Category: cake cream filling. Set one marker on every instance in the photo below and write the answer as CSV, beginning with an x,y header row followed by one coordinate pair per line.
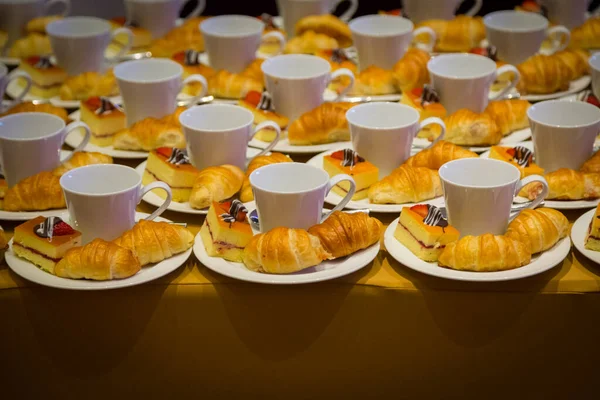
x,y
436,246
172,187
221,244
36,252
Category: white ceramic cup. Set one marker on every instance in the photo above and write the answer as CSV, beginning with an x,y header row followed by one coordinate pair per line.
x,y
518,35
595,68
6,78
382,40
79,43
479,193
149,88
292,195
293,11
30,143
218,134
421,10
569,13
296,82
158,16
464,80
101,199
15,14
232,40
563,133
383,133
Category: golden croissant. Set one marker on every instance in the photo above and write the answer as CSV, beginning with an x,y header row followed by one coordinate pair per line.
x,y
149,134
310,43
438,155
566,184
254,70
485,253
152,242
31,45
227,85
36,193
586,36
246,194
29,106
538,229
467,128
326,24
98,260
576,61
509,115
343,234
374,81
593,164
411,71
89,84
283,251
543,74
460,34
185,37
406,185
38,25
80,159
325,124
215,184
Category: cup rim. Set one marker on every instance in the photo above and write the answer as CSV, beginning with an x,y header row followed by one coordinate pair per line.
x,y
353,28
251,177
594,58
271,60
84,34
118,69
63,179
389,104
232,107
29,115
436,59
260,26
542,21
502,164
581,104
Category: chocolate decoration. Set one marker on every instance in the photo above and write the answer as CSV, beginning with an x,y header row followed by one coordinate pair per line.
x,y
351,158
268,20
266,102
178,157
339,56
523,156
106,106
434,217
44,63
191,57
429,95
46,228
235,208
492,52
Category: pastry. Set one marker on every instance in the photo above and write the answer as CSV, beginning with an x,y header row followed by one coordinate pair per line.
x,y
259,104
325,124
89,84
593,164
38,25
215,184
190,61
586,36
467,128
227,85
46,78
98,260
338,58
424,231
509,115
438,155
592,238
149,134
81,159
3,189
566,184
3,244
29,106
310,43
406,185
104,118
36,193
142,38
541,74
576,61
187,36
226,232
254,70
152,242
31,45
426,101
348,162
521,157
270,46
171,166
326,24
342,234
460,34
411,70
373,81
485,253
246,194
283,251
44,241
538,229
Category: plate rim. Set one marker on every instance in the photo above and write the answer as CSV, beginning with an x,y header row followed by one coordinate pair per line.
x,y
578,234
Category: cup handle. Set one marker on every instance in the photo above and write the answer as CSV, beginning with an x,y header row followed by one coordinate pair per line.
x,y
196,78
16,75
342,72
560,36
86,138
540,197
432,36
278,36
432,121
164,205
125,48
198,10
65,3
271,145
350,11
475,9
334,181
503,69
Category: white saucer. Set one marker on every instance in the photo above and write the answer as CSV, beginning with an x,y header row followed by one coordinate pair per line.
x,y
284,146
75,138
148,273
539,263
576,86
578,234
10,61
367,99
509,140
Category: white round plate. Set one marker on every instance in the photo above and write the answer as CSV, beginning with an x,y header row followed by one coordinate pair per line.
x,y
148,273
576,86
284,146
334,198
578,234
539,263
10,61
325,271
367,99
509,140
155,200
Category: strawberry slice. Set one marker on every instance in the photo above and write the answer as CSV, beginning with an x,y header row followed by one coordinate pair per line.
x,y
94,102
165,151
338,155
593,100
421,209
179,57
479,50
253,97
62,229
417,92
